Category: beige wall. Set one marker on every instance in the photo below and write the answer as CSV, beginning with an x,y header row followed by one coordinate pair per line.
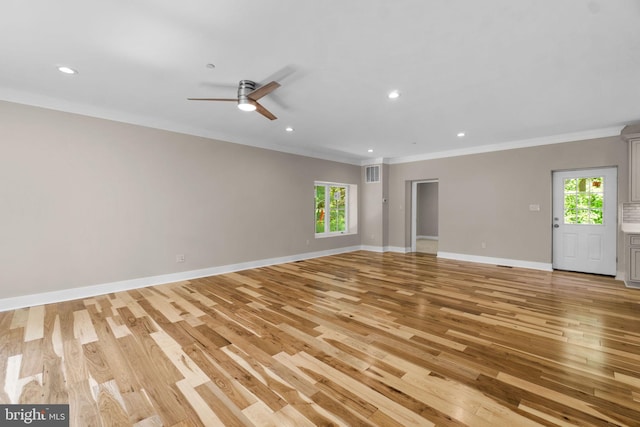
x,y
385,205
486,197
371,211
374,210
86,201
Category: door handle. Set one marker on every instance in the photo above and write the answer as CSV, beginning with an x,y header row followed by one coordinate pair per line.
x,y
556,225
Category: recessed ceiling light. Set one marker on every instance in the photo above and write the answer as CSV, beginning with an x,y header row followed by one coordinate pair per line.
x,y
289,129
370,150
460,134
393,94
67,70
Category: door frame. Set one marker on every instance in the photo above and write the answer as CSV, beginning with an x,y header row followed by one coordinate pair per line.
x,y
614,233
414,208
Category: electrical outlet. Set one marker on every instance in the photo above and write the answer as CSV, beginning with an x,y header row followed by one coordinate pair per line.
x,y
483,245
180,258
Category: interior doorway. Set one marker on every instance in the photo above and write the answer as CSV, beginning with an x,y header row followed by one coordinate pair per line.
x,y
424,216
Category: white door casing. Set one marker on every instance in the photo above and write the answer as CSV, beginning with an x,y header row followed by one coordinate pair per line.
x,y
579,246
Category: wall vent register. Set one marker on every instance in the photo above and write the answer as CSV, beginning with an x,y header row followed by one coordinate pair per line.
x,y
372,174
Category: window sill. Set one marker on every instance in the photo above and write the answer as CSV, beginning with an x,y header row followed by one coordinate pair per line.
x,y
325,235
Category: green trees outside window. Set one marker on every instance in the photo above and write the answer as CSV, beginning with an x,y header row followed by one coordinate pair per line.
x,y
583,200
330,208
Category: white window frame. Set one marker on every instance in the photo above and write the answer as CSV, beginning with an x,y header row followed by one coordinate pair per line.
x,y
348,209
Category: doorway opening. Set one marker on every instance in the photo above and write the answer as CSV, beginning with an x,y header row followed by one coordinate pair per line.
x,y
424,216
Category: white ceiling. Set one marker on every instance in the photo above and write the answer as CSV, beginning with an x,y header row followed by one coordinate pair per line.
x,y
506,72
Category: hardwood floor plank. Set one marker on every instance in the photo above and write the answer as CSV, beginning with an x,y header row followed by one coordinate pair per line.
x,y
388,406
34,328
206,415
83,410
111,404
221,380
224,408
155,376
139,407
32,354
19,318
564,399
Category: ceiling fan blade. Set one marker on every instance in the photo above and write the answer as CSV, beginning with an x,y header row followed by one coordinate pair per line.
x,y
264,90
213,99
260,109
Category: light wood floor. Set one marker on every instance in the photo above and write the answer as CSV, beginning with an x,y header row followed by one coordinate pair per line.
x,y
355,339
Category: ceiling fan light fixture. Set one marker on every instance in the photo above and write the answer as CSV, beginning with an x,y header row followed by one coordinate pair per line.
x,y
246,105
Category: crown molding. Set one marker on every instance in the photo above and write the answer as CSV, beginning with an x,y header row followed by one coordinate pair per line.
x,y
511,145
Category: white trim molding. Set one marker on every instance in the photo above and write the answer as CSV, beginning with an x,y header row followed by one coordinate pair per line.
x,y
378,249
383,249
544,266
510,145
397,249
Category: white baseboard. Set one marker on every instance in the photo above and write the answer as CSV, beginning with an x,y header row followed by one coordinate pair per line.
x,y
14,303
370,248
622,277
382,249
398,249
497,261
427,237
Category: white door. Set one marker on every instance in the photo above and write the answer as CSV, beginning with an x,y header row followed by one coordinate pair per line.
x,y
585,220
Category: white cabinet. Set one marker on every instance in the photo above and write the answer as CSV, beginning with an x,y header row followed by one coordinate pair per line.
x,y
634,265
633,260
631,134
634,170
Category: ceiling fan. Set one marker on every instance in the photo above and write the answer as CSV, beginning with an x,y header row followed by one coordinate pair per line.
x,y
248,97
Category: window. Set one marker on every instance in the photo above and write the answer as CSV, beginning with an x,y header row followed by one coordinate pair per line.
x,y
583,200
331,208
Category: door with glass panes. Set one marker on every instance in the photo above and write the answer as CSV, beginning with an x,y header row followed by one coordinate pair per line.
x,y
585,220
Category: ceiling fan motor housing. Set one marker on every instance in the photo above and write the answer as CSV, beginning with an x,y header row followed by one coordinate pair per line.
x,y
245,87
